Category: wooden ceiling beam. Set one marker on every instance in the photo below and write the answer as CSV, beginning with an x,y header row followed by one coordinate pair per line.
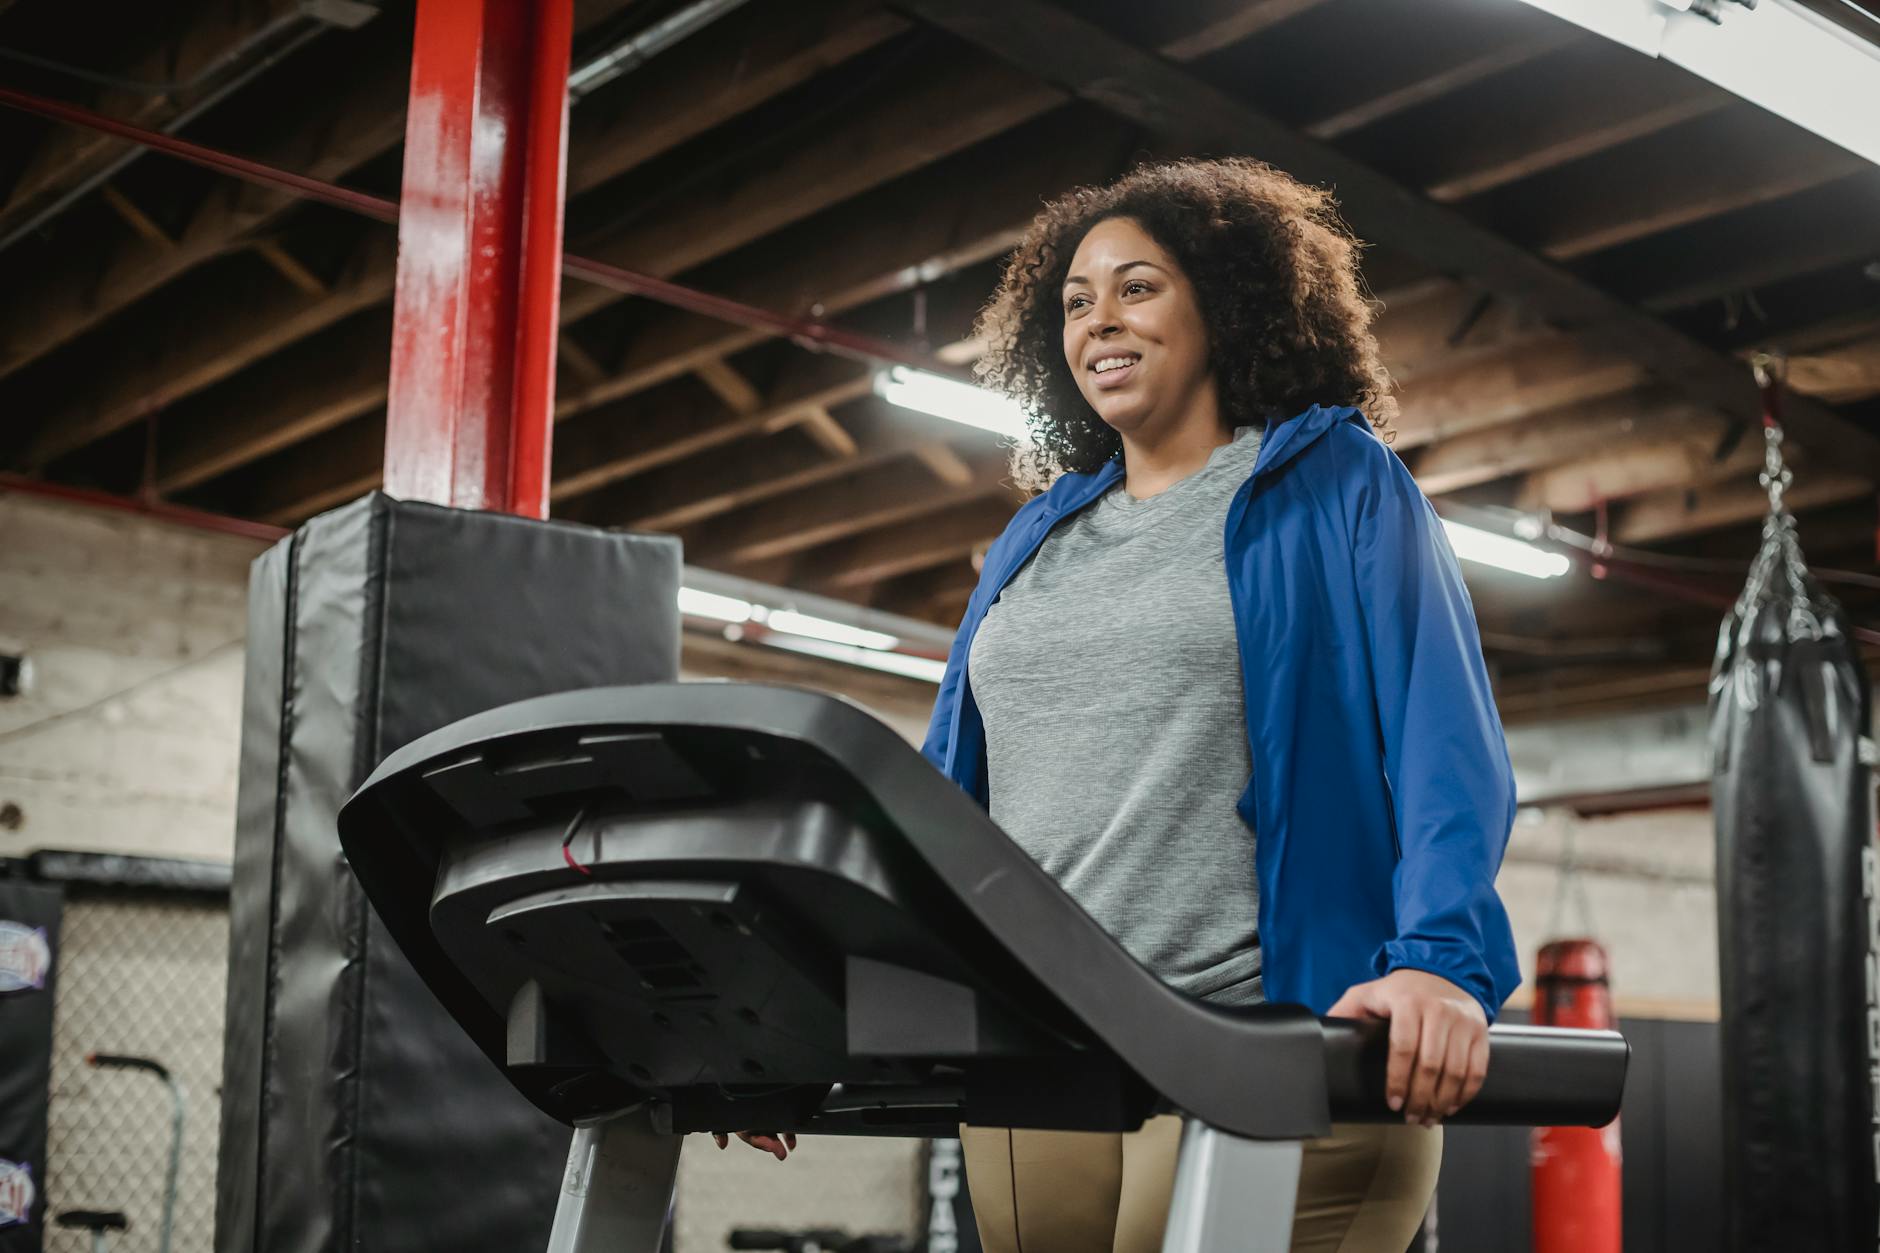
x,y
926,593
1677,512
931,538
686,493
1130,80
1530,379
320,383
870,498
1635,99
227,44
254,316
1640,467
1729,160
1580,429
50,305
1444,81
751,56
207,353
949,215
632,437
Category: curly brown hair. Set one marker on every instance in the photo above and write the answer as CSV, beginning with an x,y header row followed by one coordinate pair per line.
x,y
1276,274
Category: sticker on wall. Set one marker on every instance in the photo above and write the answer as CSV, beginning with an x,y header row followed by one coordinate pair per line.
x,y
25,957
16,1193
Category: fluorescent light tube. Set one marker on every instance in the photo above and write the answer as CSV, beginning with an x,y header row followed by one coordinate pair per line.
x,y
893,663
951,399
1503,552
1794,63
794,623
711,605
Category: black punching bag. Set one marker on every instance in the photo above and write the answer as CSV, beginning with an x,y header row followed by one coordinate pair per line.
x,y
1796,877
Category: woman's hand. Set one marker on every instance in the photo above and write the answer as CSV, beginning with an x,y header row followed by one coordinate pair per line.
x,y
778,1145
1438,1041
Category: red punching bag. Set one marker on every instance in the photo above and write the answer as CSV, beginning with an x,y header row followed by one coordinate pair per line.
x,y
1576,1169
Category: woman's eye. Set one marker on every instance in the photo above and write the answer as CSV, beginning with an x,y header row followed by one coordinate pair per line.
x,y
1134,286
1076,302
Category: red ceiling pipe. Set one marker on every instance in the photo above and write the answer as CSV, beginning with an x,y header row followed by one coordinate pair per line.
x,y
479,255
809,332
195,518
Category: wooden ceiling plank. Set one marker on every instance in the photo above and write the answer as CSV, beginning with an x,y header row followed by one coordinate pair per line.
x,y
1133,82
1443,82
1678,512
617,441
1227,22
931,538
134,217
1638,468
227,44
1517,384
948,215
47,308
290,267
686,493
257,333
1490,148
748,57
183,356
1734,159
739,393
923,593
827,433
1575,430
873,497
321,383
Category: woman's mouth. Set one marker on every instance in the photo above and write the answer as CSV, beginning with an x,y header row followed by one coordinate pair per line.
x,y
1114,370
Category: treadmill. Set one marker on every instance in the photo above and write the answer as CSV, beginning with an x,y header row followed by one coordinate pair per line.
x,y
712,906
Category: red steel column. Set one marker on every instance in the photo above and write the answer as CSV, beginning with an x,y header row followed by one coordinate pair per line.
x,y
479,255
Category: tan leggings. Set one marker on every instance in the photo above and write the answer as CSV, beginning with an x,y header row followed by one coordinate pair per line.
x,y
1362,1189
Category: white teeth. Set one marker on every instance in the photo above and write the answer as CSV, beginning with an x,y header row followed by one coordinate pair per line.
x,y
1107,364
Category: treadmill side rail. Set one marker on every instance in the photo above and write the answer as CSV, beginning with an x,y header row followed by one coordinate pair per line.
x,y
1232,1193
617,1190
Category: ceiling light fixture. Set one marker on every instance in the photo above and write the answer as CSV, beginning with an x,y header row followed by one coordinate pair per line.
x,y
1504,552
951,399
1776,54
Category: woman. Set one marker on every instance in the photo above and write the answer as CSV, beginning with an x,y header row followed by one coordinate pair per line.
x,y
1222,680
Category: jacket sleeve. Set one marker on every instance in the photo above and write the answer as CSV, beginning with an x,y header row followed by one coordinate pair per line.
x,y
1446,760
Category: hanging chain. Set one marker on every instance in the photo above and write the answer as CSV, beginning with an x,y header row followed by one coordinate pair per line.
x,y
1781,553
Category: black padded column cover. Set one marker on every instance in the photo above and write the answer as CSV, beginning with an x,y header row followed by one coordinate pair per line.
x,y
1795,874
356,1115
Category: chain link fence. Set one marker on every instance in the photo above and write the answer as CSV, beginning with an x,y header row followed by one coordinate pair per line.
x,y
146,974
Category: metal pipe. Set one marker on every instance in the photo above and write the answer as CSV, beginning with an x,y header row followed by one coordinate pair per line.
x,y
811,333
597,71
234,69
197,519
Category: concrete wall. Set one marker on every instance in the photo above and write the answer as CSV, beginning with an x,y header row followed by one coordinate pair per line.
x,y
127,741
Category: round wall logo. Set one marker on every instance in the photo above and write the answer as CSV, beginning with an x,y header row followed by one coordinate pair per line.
x,y
25,957
16,1193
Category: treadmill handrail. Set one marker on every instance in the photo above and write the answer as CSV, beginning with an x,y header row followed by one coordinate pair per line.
x,y
1253,1072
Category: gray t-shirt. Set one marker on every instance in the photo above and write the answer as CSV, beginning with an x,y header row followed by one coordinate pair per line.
x,y
1108,676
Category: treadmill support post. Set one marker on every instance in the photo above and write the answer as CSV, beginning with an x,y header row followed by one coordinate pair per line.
x,y
617,1190
1232,1193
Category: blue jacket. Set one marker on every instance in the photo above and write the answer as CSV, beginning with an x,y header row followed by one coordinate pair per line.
x,y
1382,795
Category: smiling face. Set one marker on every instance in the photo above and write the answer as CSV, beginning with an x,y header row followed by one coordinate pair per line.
x,y
1134,337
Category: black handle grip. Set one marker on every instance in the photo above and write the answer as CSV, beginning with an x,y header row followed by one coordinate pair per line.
x,y
124,1061
1537,1076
